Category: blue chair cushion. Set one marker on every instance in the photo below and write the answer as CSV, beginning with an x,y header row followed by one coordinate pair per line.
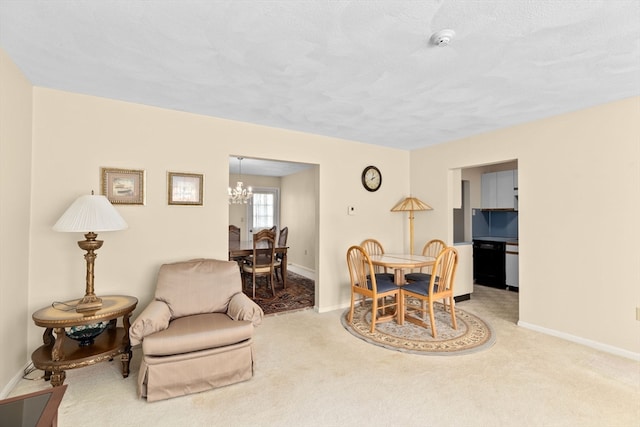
x,y
417,277
389,277
380,277
383,285
421,287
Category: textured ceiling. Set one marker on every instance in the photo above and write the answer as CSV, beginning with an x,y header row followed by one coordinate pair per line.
x,y
359,70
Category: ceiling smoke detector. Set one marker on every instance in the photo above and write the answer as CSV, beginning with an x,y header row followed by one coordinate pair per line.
x,y
442,38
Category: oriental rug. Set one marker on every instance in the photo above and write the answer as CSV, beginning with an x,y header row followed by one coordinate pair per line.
x,y
298,295
472,335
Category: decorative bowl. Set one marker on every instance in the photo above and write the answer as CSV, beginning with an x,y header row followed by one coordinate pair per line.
x,y
85,334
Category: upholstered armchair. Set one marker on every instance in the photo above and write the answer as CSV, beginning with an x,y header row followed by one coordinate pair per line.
x,y
197,332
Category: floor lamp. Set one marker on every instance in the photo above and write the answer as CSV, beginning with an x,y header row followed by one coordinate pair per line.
x,y
88,214
411,204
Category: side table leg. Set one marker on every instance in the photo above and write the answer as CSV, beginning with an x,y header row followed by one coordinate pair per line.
x,y
57,353
57,378
126,344
48,339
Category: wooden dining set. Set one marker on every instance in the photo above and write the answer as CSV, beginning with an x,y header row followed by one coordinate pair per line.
x,y
387,280
263,255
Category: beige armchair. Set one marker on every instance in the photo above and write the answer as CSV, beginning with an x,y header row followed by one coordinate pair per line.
x,y
197,332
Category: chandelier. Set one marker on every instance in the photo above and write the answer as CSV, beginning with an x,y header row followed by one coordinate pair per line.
x,y
240,194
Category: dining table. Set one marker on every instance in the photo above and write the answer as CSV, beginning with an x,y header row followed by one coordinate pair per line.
x,y
399,263
242,248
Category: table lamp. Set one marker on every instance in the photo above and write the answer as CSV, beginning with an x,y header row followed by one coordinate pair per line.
x,y
410,204
89,214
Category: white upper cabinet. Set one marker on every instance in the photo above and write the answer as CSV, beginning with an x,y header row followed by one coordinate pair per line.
x,y
498,190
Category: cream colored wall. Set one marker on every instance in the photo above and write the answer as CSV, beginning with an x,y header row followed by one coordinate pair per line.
x,y
74,135
299,213
578,179
15,194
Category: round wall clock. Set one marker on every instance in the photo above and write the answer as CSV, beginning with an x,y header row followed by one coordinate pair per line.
x,y
371,178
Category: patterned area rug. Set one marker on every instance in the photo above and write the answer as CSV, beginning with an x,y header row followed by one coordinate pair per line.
x,y
472,335
299,294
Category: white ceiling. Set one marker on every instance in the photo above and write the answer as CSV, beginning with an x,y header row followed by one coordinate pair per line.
x,y
358,70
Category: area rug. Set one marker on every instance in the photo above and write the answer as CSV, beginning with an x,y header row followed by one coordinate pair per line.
x,y
472,335
299,294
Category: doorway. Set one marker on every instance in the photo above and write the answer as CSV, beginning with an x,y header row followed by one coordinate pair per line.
x,y
285,195
473,220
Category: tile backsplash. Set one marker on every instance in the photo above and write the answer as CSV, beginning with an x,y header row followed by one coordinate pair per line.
x,y
494,223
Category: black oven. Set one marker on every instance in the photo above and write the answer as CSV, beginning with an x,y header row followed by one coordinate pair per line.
x,y
489,263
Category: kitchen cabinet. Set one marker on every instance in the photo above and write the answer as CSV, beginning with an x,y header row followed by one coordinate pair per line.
x,y
498,190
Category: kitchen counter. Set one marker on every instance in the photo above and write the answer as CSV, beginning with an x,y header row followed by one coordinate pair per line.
x,y
510,240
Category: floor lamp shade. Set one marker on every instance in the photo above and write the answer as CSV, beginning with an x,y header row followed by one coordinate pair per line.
x,y
89,214
411,204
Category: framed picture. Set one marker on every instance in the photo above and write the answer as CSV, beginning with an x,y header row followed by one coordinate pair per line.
x,y
123,186
185,188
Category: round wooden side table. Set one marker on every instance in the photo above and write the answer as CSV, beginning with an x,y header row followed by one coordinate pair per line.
x,y
61,352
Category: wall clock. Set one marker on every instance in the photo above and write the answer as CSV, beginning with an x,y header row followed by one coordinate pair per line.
x,y
371,178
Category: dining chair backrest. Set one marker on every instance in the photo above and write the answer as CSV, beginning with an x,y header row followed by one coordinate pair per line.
x,y
284,235
432,249
234,233
263,248
374,247
443,279
359,265
282,240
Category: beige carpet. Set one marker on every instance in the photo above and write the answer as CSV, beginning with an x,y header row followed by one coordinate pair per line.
x,y
311,372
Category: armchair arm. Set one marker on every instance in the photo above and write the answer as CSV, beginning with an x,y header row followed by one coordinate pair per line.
x,y
241,307
154,318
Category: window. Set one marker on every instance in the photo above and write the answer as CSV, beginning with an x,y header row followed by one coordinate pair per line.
x,y
263,211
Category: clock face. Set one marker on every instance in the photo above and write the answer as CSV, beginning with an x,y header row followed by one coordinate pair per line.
x,y
371,178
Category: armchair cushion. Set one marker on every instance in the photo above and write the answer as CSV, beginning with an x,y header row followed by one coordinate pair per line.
x,y
198,286
154,318
241,307
195,333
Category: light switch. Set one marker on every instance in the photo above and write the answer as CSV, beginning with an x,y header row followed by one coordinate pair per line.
x,y
351,210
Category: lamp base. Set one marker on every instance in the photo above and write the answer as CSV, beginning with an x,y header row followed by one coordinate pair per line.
x,y
89,304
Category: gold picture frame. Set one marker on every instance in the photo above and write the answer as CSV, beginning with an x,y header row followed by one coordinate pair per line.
x,y
123,186
185,188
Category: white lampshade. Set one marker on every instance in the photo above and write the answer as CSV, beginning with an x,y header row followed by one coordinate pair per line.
x,y
90,213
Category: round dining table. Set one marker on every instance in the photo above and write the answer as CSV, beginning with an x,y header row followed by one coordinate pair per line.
x,y
400,262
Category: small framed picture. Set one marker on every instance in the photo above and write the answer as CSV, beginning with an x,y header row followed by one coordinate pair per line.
x,y
123,186
185,188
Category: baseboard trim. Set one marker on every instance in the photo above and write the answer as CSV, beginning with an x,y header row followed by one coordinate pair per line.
x,y
303,271
586,342
14,382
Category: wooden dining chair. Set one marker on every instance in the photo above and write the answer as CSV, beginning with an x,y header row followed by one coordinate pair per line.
x,y
262,259
234,233
439,286
432,248
367,286
374,247
282,241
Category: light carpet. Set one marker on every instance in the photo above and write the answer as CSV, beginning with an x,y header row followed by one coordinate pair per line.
x,y
310,372
472,335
